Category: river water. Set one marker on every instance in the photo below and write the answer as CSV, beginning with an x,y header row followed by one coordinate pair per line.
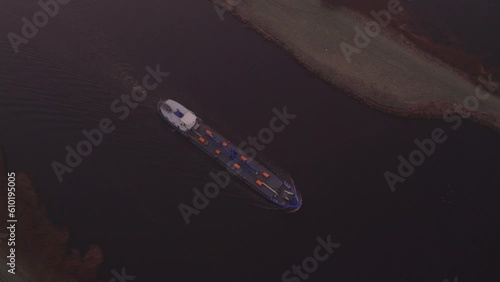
x,y
440,223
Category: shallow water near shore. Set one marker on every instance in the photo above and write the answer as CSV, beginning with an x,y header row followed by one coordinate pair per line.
x,y
124,197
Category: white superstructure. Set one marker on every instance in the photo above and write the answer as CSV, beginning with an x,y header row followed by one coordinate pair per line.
x,y
178,115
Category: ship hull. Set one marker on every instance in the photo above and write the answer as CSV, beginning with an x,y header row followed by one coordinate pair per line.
x,y
234,160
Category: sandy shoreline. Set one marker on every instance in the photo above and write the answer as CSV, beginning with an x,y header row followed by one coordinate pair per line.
x,y
388,74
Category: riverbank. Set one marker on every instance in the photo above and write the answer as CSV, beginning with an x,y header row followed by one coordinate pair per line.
x,y
41,250
456,33
389,74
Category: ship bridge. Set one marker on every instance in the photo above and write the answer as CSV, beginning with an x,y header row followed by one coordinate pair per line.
x,y
188,120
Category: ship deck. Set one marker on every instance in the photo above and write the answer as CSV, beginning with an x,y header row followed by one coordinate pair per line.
x,y
248,169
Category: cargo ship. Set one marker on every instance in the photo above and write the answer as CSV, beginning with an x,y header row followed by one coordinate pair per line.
x,y
256,175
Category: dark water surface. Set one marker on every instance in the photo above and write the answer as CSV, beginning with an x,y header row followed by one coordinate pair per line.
x,y
441,222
